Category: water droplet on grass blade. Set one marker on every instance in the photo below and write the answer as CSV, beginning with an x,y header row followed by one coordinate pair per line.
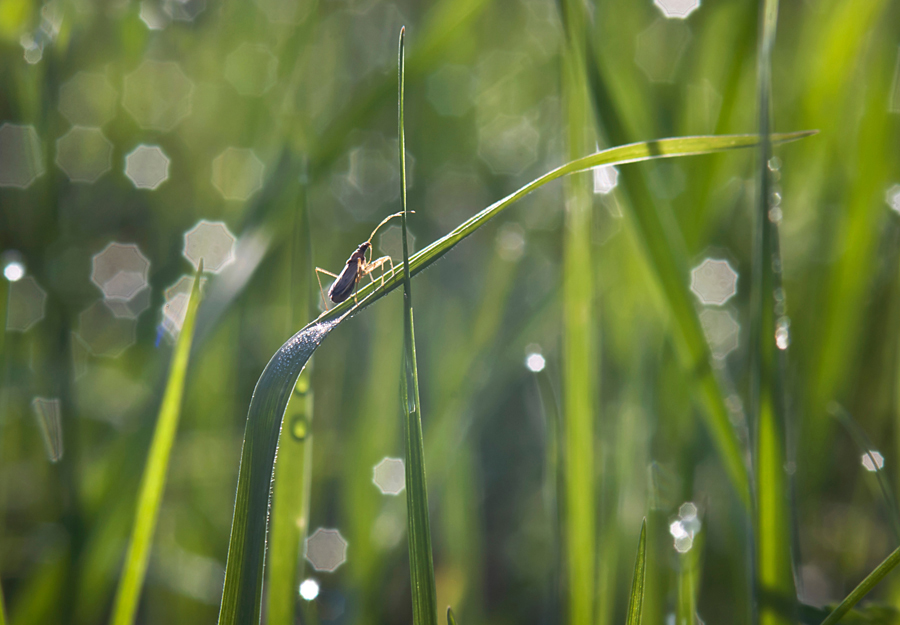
x,y
299,427
48,414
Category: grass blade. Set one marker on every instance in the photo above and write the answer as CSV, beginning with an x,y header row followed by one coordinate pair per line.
x,y
774,569
580,375
421,566
246,552
154,479
667,255
293,470
864,588
621,155
866,447
451,619
636,600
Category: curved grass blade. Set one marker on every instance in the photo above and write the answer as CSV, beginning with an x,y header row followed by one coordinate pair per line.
x,y
773,563
154,479
636,600
864,588
451,618
421,565
246,552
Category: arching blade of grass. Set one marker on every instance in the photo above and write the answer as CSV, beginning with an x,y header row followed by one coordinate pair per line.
x,y
451,619
154,479
636,600
293,470
773,563
864,588
246,552
418,528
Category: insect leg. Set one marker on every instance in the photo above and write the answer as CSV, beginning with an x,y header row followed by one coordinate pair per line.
x,y
375,264
320,271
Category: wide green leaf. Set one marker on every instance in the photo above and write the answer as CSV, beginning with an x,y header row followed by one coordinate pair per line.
x,y
246,552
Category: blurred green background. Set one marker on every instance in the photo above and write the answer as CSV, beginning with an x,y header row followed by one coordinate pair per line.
x,y
137,137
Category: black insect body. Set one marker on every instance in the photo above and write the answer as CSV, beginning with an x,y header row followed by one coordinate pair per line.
x,y
357,266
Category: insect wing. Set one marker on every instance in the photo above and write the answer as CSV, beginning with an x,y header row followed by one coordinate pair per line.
x,y
343,286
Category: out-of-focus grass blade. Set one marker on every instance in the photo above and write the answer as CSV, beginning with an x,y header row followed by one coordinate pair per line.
x,y
580,376
421,566
866,447
667,255
773,561
246,552
636,599
864,588
154,479
451,619
293,470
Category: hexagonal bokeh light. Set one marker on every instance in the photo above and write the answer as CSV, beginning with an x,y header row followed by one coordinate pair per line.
x,y
104,333
605,179
120,270
84,154
389,476
660,48
679,9
48,412
721,330
285,11
147,166
153,17
326,549
184,10
872,460
212,242
450,90
390,243
892,197
21,161
88,99
714,281
175,307
251,69
237,173
157,95
25,304
508,144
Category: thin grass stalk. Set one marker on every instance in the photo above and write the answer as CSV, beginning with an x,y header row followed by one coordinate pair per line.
x,y
421,565
154,478
773,563
578,364
864,588
865,447
293,468
636,598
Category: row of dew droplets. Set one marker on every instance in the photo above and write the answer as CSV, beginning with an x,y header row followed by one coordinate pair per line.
x,y
782,321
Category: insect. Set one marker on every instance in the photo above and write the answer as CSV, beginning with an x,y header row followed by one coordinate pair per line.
x,y
358,265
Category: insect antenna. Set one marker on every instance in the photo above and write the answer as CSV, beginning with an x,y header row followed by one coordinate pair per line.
x,y
384,221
